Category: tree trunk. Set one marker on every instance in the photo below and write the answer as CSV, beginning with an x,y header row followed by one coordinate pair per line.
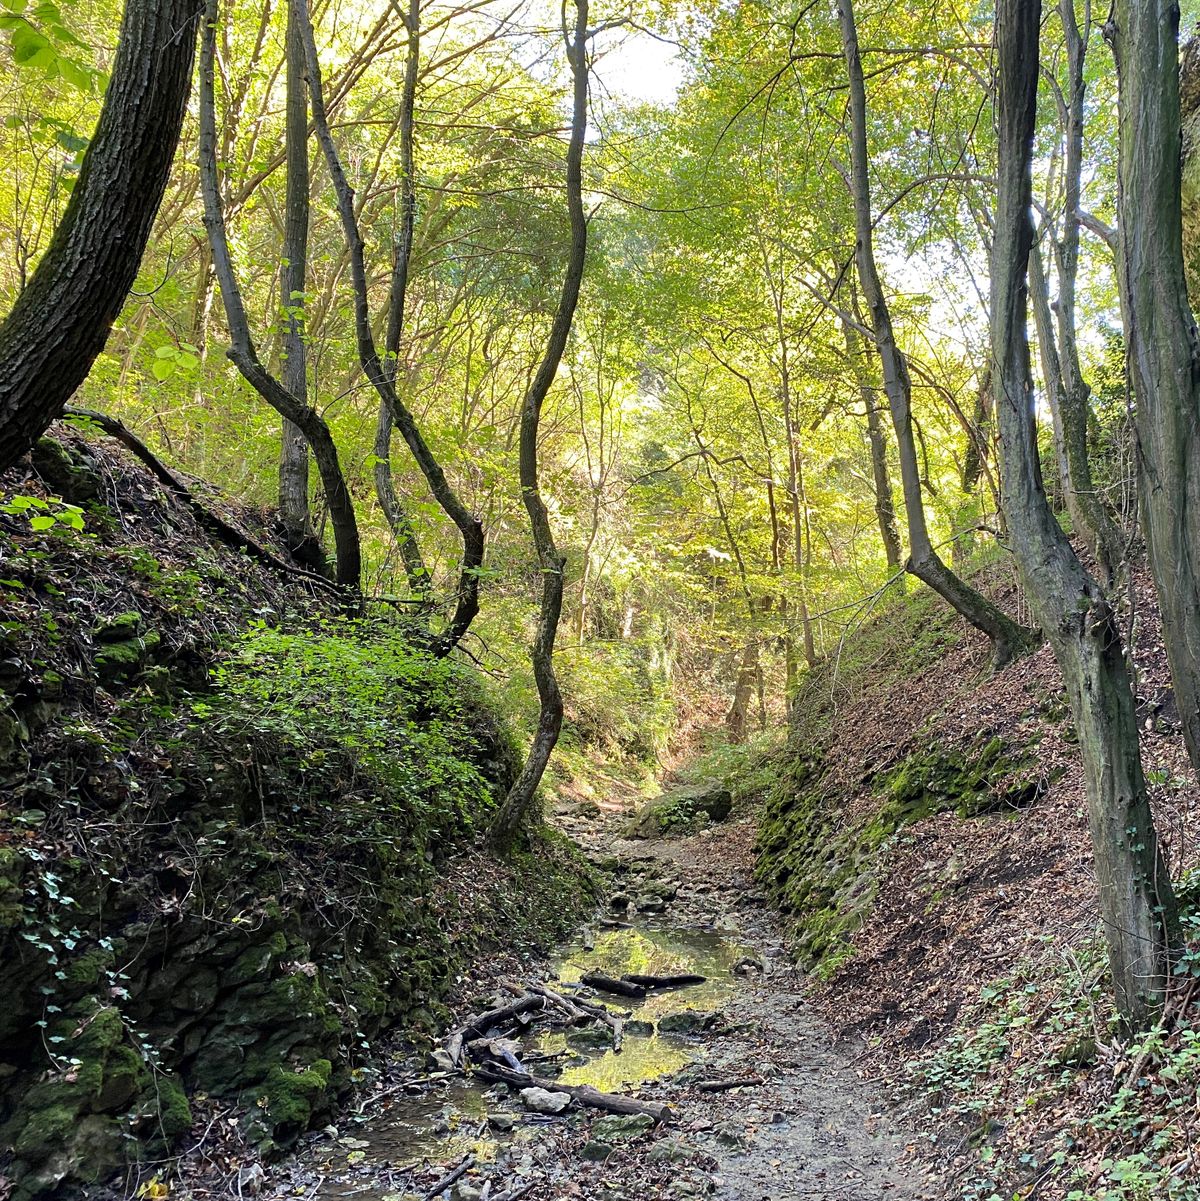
x,y
1052,378
294,512
885,504
1086,505
242,350
1162,345
381,373
61,320
1136,900
1007,637
398,519
516,807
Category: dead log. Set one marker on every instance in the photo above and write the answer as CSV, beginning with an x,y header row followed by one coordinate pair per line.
x,y
584,1094
680,981
605,983
446,1181
478,1026
723,1086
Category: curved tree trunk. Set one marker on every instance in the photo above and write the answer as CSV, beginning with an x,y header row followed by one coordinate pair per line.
x,y
380,373
242,350
60,322
1007,637
1136,901
517,805
1163,348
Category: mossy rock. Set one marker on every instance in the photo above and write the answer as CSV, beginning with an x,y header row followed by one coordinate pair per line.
x,y
682,810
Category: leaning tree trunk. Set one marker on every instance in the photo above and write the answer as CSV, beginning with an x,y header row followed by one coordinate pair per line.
x,y
61,320
294,513
517,806
1162,345
1136,901
1007,637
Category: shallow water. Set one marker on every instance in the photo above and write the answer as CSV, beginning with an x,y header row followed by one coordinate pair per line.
x,y
448,1120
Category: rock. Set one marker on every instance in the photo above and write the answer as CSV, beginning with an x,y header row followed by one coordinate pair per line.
x,y
682,810
637,1028
1079,1052
670,1150
540,1100
617,1127
595,1152
689,1021
732,1137
250,1180
439,1060
619,902
748,964
650,903
501,1121
592,1037
463,1191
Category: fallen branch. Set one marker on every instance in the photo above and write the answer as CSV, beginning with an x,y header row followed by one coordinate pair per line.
x,y
450,1177
478,1026
584,1094
216,524
680,981
723,1086
605,983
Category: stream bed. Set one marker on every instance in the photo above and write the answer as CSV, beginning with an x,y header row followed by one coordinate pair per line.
x,y
446,1120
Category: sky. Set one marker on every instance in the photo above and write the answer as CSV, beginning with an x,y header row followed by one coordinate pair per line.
x,y
635,67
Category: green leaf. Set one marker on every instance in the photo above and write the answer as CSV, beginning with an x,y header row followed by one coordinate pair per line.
x,y
43,522
162,369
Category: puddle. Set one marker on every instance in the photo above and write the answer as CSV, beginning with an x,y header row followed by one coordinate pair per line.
x,y
449,1120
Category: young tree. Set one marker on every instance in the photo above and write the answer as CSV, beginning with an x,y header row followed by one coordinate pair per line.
x,y
294,514
1160,332
1136,901
1007,637
61,320
242,350
516,806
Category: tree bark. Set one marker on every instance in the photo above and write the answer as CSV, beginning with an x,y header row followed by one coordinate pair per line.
x,y
516,807
1136,901
294,514
60,321
1163,348
397,517
242,350
1008,639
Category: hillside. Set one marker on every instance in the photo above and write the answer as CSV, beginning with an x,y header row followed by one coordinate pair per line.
x,y
237,830
927,839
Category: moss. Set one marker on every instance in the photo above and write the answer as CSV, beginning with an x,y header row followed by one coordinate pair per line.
x,y
44,1131
824,873
290,1097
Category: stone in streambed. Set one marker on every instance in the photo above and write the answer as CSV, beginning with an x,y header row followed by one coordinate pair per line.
x,y
595,1152
689,1021
617,1127
540,1100
682,810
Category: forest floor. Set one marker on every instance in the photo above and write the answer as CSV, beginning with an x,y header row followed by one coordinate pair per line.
x,y
810,1127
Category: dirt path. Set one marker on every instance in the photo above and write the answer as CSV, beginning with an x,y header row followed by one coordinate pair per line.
x,y
807,1129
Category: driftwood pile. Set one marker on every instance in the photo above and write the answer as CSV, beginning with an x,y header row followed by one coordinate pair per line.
x,y
485,1044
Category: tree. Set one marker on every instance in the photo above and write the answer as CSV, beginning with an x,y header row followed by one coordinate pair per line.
x,y
1160,332
294,514
61,320
1137,904
552,562
242,351
1007,637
